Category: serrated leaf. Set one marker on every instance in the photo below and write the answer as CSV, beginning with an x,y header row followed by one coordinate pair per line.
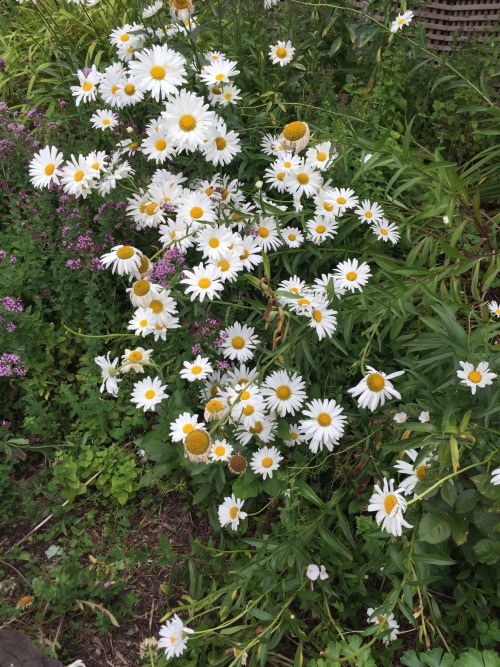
x,y
434,528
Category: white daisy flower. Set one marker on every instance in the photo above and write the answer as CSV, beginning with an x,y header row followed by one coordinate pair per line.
x,y
293,236
143,322
229,265
214,241
269,4
110,374
400,417
184,424
385,622
390,506
321,155
319,229
221,146
386,231
266,461
188,120
87,87
109,87
271,145
402,20
143,292
321,284
281,53
251,253
77,177
241,374
230,512
294,285
218,72
181,10
344,198
374,388
475,377
323,319
221,450
147,393
240,342
198,369
127,34
203,281
103,119
326,204
284,393
195,208
414,474
176,234
156,146
495,477
159,70
124,259
160,330
303,180
130,92
229,94
368,212
132,360
263,429
352,275
172,637
325,426
163,307
494,307
44,168
267,234
152,9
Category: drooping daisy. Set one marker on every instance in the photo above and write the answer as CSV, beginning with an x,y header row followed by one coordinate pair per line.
x,y
325,425
352,275
110,374
303,180
215,409
368,212
147,393
295,136
390,505
87,87
197,445
475,377
181,10
103,119
494,307
414,473
230,512
44,167
319,229
173,637
281,53
386,623
221,450
184,424
374,388
218,72
159,70
187,120
132,360
203,281
266,461
239,342
293,236
237,464
198,369
221,146
143,292
495,477
283,392
143,322
267,235
321,155
344,198
402,20
124,259
386,231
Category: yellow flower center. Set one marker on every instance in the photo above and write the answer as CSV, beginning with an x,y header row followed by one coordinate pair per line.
x,y
129,89
79,175
96,165
384,232
248,410
303,178
328,207
136,355
341,200
245,254
124,37
228,96
368,214
221,143
225,195
151,208
401,21
281,52
294,436
187,428
380,619
351,275
280,175
294,290
216,90
375,382
143,323
287,165
245,396
141,287
291,237
390,501
283,392
196,212
214,406
49,169
125,252
214,242
475,376
303,302
238,342
133,146
257,428
157,72
156,306
233,512
160,145
324,419
321,157
321,229
219,77
144,265
421,472
263,232
220,450
151,393
267,462
196,370
114,89
204,283
224,265
106,121
197,441
187,123
317,315
87,86
295,131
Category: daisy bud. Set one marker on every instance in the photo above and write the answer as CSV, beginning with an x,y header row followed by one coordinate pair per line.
x,y
259,185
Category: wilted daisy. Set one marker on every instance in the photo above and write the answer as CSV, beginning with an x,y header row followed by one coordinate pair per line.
x,y
390,506
494,307
414,473
110,374
325,425
197,445
214,409
147,393
203,281
173,637
187,120
124,259
184,424
295,136
220,450
239,342
424,417
352,275
321,155
103,119
143,322
269,4
159,70
197,369
386,231
281,53
402,20
495,477
374,388
475,377
385,622
44,167
368,212
230,512
266,461
87,87
283,392
132,360
181,9
221,146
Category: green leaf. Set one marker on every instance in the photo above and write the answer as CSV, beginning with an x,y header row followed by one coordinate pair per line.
x,y
434,528
466,501
487,551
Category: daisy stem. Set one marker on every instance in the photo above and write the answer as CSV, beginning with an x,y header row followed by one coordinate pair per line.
x,y
151,657
114,335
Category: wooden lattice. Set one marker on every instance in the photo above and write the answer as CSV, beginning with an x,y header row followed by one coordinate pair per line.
x,y
448,22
